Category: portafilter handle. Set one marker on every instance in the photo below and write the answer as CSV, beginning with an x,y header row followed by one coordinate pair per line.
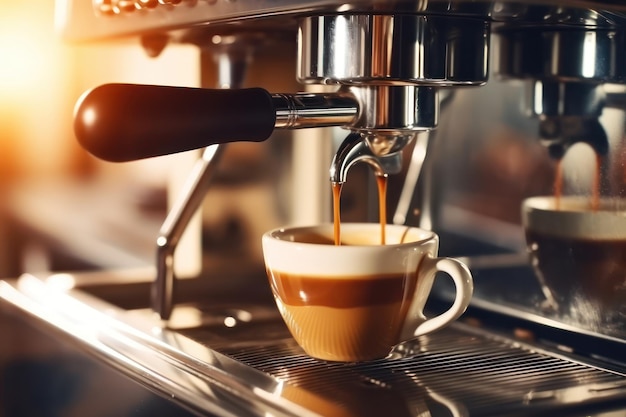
x,y
125,122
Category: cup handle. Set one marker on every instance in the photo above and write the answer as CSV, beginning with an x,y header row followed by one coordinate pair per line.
x,y
464,285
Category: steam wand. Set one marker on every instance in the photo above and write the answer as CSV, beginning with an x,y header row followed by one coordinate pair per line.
x,y
185,206
232,63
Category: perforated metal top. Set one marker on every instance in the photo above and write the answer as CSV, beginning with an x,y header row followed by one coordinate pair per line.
x,y
457,371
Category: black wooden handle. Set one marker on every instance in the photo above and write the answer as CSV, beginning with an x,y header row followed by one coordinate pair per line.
x,y
125,122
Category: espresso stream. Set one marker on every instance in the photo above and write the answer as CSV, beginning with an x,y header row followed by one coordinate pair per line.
x,y
381,182
595,187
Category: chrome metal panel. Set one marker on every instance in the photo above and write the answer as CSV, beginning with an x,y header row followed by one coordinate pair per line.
x,y
80,20
393,49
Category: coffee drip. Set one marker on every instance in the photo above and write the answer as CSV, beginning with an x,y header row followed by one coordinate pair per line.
x,y
595,186
381,182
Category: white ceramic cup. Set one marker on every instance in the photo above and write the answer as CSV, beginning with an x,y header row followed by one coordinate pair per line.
x,y
579,254
356,301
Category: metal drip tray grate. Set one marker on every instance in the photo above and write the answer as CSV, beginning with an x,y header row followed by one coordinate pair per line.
x,y
227,361
457,371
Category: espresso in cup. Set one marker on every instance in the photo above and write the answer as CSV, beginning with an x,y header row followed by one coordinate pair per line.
x,y
578,251
357,300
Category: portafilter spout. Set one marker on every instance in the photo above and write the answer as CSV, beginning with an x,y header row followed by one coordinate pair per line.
x,y
558,134
567,67
356,149
568,113
389,118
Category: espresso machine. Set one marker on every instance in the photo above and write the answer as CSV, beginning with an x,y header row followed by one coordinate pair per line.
x,y
465,105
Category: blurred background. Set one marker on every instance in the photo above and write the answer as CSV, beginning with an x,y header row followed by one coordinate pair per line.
x,y
41,77
63,209
44,174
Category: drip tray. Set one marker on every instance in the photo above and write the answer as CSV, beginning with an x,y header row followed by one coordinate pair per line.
x,y
228,358
458,371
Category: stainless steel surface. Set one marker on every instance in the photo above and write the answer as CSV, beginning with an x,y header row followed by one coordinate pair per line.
x,y
397,49
201,379
239,359
476,374
561,51
387,112
558,99
84,20
314,110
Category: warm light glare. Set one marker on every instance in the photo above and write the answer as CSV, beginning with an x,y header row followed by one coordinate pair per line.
x,y
34,76
62,281
41,76
25,50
